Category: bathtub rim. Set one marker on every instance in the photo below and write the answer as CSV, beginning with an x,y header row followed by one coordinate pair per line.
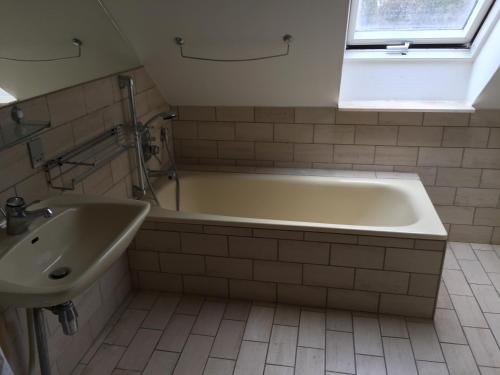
x,y
437,233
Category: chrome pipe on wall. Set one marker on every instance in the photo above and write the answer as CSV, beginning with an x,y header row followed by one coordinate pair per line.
x,y
138,191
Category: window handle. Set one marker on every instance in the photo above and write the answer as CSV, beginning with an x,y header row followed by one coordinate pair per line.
x,y
398,48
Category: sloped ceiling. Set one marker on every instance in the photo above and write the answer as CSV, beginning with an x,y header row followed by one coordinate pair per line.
x,y
44,29
309,76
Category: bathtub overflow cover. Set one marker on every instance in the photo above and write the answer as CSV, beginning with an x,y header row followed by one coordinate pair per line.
x,y
59,273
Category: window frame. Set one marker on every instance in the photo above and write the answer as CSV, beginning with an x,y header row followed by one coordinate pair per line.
x,y
418,38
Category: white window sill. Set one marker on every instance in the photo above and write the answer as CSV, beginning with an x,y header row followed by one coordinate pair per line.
x,y
405,106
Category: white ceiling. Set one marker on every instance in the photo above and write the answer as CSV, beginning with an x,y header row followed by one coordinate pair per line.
x,y
309,76
44,29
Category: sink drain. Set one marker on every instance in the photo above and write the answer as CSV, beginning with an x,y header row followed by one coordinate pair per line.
x,y
59,273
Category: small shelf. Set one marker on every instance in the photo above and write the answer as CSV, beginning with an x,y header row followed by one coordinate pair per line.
x,y
67,170
16,130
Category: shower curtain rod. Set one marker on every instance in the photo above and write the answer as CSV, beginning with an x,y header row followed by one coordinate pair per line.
x,y
287,39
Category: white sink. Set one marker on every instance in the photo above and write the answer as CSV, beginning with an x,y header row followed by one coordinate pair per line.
x,y
84,237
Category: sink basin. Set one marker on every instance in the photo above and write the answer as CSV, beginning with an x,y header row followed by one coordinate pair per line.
x,y
59,257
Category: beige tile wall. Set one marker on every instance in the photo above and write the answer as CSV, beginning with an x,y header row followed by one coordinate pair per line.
x,y
457,155
374,274
76,114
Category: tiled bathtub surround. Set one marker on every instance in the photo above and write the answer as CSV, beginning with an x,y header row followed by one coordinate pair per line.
x,y
76,114
363,273
457,155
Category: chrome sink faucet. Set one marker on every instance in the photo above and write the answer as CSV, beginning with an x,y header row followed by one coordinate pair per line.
x,y
19,218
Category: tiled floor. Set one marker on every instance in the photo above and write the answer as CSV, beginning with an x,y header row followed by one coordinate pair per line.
x,y
168,334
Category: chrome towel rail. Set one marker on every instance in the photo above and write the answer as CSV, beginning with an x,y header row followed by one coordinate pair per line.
x,y
67,170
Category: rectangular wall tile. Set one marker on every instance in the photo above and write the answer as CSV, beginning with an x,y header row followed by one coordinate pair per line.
x,y
334,134
481,158
413,261
357,256
252,290
229,267
294,133
335,277
274,114
315,115
391,155
353,300
441,157
208,244
278,272
304,252
382,281
234,113
422,307
465,137
253,248
209,286
301,294
313,153
254,131
420,136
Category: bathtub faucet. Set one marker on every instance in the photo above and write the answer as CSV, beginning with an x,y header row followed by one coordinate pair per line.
x,y
170,172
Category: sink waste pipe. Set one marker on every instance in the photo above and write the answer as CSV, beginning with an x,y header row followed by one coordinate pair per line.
x,y
68,318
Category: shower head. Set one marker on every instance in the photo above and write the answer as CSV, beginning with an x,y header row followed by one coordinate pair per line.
x,y
164,115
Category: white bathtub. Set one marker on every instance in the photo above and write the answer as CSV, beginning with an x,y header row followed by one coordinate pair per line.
x,y
344,241
395,207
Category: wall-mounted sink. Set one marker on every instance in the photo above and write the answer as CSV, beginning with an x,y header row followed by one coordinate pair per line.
x,y
59,257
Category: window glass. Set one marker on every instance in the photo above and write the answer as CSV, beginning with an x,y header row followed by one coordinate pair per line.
x,y
378,15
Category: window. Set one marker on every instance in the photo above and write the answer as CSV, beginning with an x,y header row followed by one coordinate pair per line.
x,y
415,23
5,97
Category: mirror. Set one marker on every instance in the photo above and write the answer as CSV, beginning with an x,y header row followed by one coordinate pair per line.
x,y
45,30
